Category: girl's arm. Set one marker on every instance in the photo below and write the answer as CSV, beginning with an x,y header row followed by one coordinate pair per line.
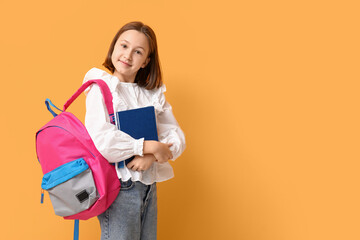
x,y
161,151
113,144
169,131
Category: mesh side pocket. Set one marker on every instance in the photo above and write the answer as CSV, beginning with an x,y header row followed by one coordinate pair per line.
x,y
70,191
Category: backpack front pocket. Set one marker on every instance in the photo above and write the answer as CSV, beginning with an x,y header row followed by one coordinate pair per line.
x,y
71,187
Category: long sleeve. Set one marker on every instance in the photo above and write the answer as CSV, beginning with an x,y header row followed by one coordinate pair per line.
x,y
169,129
116,145
113,144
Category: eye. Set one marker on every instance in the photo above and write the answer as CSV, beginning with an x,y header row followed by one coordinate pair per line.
x,y
123,45
138,52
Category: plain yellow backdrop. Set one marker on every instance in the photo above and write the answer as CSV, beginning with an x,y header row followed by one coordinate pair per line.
x,y
267,93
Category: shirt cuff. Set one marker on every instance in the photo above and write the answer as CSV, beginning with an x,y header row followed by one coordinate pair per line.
x,y
139,146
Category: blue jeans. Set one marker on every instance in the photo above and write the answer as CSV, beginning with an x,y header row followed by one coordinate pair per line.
x,y
133,214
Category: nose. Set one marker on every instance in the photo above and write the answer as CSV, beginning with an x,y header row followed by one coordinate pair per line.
x,y
127,54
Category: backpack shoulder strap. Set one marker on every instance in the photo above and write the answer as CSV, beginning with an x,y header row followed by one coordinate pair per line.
x,y
105,92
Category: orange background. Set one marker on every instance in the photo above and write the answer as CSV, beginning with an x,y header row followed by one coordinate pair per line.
x,y
267,93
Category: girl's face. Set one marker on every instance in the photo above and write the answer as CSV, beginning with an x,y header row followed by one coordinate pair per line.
x,y
130,53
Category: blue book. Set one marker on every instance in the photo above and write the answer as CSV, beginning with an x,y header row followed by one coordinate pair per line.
x,y
138,123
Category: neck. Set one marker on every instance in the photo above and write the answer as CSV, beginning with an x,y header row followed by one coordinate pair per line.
x,y
122,78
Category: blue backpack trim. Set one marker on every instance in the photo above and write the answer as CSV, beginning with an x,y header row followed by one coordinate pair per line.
x,y
63,173
48,103
76,229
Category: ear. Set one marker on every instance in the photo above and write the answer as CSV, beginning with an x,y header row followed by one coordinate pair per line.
x,y
146,62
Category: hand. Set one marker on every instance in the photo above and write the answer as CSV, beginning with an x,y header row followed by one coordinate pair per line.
x,y
141,163
160,150
163,153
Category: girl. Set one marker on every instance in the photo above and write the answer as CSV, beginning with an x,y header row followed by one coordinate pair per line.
x,y
135,81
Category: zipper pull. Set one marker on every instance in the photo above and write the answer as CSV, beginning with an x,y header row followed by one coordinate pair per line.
x,y
42,196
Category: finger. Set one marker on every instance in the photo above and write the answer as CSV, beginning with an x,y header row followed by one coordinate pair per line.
x,y
138,169
170,144
133,167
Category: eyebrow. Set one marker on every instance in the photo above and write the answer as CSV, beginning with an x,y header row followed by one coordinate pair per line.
x,y
129,42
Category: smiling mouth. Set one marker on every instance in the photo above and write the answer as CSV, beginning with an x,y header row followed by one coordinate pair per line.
x,y
126,64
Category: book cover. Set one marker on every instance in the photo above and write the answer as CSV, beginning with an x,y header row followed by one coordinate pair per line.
x,y
138,123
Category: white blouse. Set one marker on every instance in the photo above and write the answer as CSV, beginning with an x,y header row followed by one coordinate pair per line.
x,y
116,145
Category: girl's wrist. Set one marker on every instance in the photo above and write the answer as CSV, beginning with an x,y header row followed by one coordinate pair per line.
x,y
149,147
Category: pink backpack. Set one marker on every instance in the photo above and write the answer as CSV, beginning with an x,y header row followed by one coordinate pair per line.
x,y
81,183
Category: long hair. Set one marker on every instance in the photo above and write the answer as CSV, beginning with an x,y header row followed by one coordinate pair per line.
x,y
149,77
